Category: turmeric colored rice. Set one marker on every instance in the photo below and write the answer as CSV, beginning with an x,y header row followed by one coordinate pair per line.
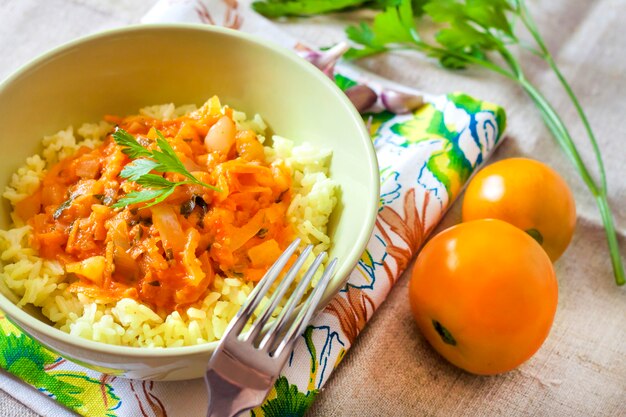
x,y
173,273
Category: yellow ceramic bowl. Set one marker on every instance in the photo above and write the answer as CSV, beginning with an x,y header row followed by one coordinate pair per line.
x,y
118,72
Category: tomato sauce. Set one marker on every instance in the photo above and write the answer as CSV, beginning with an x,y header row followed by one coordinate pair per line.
x,y
166,255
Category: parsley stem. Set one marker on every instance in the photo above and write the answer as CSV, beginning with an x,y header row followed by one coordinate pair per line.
x,y
561,133
424,47
611,236
563,136
530,24
583,118
203,184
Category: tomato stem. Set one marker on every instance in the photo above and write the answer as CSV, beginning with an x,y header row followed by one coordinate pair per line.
x,y
535,234
445,335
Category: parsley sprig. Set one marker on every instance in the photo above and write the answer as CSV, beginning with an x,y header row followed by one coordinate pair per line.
x,y
482,33
278,8
474,32
155,188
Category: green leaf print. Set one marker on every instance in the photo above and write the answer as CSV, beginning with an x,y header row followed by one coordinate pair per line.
x,y
448,165
20,347
473,106
375,120
90,396
438,127
27,359
289,402
308,337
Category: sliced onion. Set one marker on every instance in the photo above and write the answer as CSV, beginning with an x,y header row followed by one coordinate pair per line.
x,y
221,136
166,221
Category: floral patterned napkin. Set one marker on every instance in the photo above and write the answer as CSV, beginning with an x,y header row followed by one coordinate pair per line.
x,y
425,158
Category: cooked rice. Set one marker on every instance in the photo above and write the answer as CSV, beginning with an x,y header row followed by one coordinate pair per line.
x,y
29,279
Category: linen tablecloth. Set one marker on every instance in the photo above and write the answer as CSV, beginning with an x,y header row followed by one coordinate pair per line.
x,y
425,157
581,370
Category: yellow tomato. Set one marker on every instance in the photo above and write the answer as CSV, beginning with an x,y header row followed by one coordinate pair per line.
x,y
484,295
528,194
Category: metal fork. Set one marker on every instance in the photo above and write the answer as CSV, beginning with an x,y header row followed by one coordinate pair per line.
x,y
243,369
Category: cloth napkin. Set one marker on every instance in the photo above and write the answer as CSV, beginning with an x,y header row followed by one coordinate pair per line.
x,y
425,158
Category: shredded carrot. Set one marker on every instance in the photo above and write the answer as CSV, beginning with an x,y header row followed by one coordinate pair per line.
x,y
265,253
166,255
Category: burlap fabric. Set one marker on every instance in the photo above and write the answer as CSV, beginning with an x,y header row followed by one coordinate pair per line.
x,y
391,371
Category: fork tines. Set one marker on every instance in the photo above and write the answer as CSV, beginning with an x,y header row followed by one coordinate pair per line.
x,y
282,323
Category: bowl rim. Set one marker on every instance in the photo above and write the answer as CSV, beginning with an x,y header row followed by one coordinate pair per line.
x,y
17,314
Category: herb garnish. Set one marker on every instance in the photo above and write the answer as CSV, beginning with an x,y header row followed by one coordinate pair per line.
x,y
155,187
189,206
104,199
195,201
471,32
66,204
279,8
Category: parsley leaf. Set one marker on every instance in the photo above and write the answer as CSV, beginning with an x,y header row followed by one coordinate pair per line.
x,y
136,197
472,29
132,148
393,26
163,160
169,162
278,8
155,181
138,168
488,14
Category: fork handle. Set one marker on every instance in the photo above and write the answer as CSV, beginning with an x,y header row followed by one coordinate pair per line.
x,y
227,399
222,396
